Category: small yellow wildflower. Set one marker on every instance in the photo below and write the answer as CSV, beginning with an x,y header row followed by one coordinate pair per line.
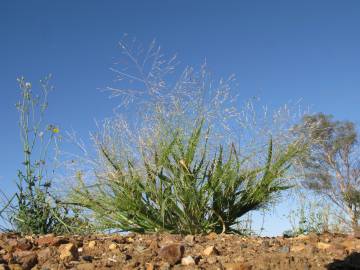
x,y
55,130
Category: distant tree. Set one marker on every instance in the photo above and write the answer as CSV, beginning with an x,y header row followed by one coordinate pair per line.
x,y
331,166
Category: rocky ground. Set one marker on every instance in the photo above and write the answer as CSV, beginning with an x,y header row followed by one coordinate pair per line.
x,y
133,251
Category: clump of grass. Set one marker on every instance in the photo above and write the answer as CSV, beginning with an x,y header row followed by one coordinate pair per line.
x,y
181,186
175,164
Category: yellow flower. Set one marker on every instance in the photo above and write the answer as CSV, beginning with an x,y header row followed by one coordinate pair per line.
x,y
55,130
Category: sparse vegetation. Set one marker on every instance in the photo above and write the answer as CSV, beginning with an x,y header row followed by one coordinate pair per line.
x,y
331,165
34,208
310,217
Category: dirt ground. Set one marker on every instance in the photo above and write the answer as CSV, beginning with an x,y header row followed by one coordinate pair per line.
x,y
162,251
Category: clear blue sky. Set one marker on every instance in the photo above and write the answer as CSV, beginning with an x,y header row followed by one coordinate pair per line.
x,y
279,50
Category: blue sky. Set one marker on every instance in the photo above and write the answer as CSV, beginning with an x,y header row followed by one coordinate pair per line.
x,y
279,50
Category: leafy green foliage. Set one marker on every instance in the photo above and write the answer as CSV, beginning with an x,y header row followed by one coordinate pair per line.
x,y
179,186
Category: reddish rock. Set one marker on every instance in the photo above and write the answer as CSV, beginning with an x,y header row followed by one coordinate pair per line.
x,y
45,254
322,245
27,259
211,260
51,240
68,252
4,267
168,239
210,250
12,244
165,266
154,245
8,257
187,261
212,236
149,266
91,244
45,240
297,247
23,244
113,246
172,253
189,239
15,266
